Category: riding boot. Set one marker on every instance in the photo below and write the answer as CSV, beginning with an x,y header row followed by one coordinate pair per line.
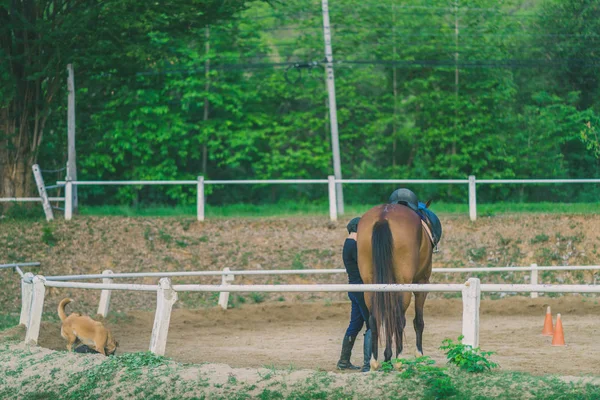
x,y
344,362
367,350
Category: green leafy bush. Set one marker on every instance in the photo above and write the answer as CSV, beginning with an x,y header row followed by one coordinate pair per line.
x,y
466,357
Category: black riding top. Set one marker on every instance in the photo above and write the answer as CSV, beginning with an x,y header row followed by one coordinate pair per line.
x,y
350,257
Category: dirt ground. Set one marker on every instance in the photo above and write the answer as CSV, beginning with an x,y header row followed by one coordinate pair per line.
x,y
88,245
309,335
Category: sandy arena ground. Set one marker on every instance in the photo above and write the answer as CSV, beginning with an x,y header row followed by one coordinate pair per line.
x,y
309,335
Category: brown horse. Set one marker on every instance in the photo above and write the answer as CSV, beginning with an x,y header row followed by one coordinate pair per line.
x,y
393,247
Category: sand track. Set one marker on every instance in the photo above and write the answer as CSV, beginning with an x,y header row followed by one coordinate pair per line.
x,y
309,335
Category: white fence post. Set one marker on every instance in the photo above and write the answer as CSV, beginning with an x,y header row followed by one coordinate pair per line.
x,y
332,198
26,297
200,200
472,198
105,295
68,199
37,306
39,181
165,299
226,279
471,296
534,279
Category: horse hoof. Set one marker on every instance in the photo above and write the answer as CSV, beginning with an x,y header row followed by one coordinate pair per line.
x,y
418,354
374,365
398,366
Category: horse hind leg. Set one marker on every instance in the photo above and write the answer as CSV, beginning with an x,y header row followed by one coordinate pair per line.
x,y
388,349
402,323
419,322
374,343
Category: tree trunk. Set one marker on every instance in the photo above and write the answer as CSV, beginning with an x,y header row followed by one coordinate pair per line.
x,y
24,104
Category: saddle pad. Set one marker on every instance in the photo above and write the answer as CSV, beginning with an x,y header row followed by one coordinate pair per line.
x,y
433,221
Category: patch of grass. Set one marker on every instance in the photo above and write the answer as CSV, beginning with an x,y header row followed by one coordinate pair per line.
x,y
8,321
22,211
257,297
181,243
164,236
48,235
541,238
322,208
232,380
297,262
477,253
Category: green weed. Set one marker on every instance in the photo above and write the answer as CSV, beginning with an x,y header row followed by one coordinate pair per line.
x,y
542,238
8,321
466,357
257,297
48,235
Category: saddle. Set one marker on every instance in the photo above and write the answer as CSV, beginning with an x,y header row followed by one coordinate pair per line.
x,y
430,221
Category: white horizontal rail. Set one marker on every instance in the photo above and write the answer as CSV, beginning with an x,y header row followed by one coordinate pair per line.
x,y
9,199
439,287
265,181
305,272
538,180
195,182
105,183
540,288
401,181
103,286
16,265
195,273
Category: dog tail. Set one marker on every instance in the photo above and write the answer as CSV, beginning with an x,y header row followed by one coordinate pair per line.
x,y
61,308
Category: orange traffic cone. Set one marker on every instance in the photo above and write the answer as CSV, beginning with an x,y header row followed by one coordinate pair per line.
x,y
559,337
548,329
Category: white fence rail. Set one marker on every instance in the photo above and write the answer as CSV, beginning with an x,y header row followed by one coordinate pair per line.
x,y
331,182
228,276
167,296
17,266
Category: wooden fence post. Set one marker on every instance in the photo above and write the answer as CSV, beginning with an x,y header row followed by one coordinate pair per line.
x,y
332,198
534,279
471,296
26,298
39,181
472,198
105,295
37,306
200,199
165,299
226,279
68,199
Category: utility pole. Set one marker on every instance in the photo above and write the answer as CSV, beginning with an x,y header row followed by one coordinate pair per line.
x,y
335,141
206,89
71,159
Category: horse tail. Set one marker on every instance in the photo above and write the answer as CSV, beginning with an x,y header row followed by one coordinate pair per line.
x,y
387,306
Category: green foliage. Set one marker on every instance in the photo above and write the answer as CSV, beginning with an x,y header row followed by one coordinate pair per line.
x,y
466,357
133,365
541,238
435,379
48,235
8,321
205,90
257,297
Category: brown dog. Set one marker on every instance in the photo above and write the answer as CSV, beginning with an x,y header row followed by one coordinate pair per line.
x,y
88,331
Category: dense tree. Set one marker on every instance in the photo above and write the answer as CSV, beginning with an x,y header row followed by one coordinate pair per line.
x,y
434,89
38,39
